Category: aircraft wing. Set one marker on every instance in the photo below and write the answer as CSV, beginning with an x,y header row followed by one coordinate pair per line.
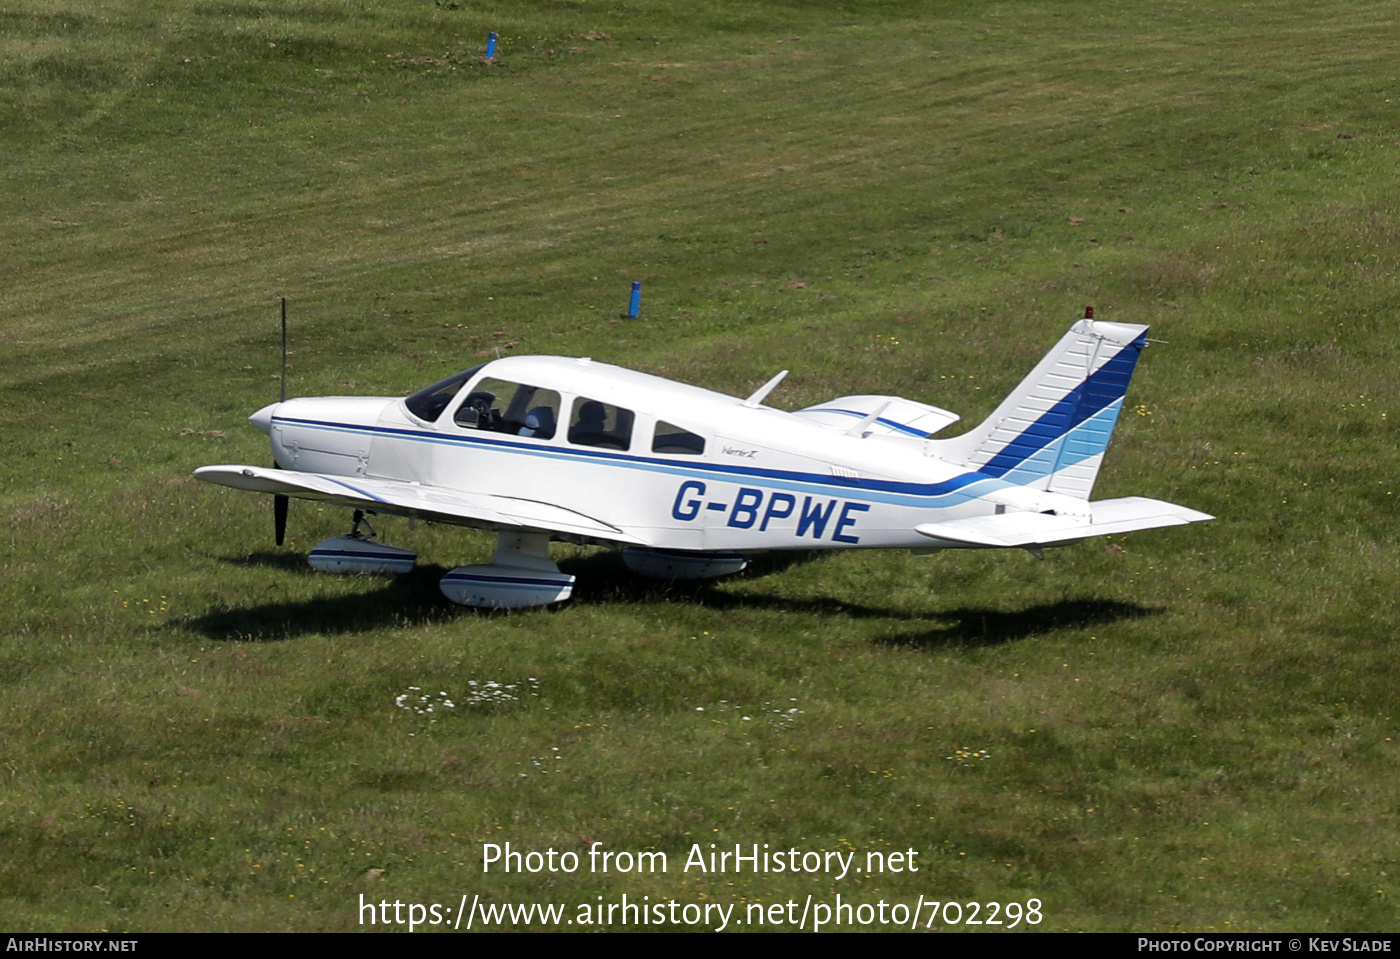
x,y
1029,530
412,499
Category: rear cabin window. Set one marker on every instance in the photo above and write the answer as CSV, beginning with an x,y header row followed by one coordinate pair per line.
x,y
600,424
673,439
516,408
428,403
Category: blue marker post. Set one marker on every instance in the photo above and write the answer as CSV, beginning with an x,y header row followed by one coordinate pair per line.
x,y
635,306
491,46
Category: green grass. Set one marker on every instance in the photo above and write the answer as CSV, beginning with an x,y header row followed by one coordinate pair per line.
x,y
1187,729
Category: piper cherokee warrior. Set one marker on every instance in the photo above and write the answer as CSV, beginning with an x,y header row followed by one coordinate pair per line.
x,y
689,482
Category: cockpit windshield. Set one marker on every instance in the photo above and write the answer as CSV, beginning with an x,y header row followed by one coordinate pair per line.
x,y
428,403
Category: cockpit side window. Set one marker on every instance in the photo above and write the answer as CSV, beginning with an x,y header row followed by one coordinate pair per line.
x,y
428,403
600,424
674,439
505,407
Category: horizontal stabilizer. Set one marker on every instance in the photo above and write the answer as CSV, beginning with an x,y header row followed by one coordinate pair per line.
x,y
893,416
394,498
1023,529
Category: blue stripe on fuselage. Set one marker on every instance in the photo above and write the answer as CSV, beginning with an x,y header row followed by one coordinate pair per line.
x,y
951,492
873,490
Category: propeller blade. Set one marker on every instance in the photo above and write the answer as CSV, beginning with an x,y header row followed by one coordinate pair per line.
x,y
279,516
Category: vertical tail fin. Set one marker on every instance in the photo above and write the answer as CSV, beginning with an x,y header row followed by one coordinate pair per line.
x,y
1051,432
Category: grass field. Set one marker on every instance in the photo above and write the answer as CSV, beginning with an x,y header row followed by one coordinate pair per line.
x,y
1184,729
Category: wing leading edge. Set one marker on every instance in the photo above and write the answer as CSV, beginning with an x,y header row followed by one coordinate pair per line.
x,y
409,499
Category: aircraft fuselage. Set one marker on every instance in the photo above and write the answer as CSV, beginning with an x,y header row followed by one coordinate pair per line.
x,y
763,478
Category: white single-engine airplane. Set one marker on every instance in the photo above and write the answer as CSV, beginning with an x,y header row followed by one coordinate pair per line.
x,y
689,482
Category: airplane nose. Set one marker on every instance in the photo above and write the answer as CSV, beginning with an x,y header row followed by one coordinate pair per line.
x,y
262,419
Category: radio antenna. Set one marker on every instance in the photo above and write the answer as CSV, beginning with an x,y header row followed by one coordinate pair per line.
x,y
284,349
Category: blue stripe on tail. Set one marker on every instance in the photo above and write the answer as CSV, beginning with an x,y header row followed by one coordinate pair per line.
x,y
1034,453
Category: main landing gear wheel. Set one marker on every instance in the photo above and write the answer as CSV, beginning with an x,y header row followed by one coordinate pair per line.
x,y
357,552
520,574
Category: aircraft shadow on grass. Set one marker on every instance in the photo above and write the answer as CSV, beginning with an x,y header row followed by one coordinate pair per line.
x,y
992,627
415,600
603,579
275,559
401,601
